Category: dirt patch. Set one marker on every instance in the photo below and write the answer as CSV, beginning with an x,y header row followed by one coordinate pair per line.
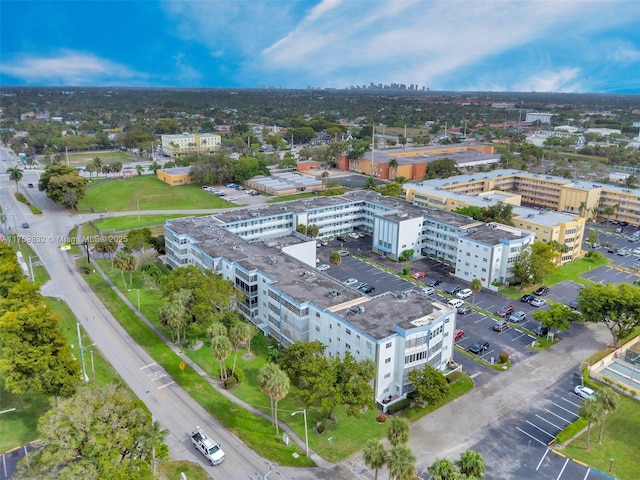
x,y
197,345
248,356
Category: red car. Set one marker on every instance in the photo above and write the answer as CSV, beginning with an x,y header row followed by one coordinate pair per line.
x,y
418,275
458,334
506,311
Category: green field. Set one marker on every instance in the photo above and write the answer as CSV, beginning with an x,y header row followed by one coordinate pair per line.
x,y
80,159
131,222
148,193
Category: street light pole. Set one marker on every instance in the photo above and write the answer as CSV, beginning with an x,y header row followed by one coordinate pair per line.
x,y
306,433
82,349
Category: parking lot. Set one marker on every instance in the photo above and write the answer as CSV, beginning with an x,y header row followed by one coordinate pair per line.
x,y
528,433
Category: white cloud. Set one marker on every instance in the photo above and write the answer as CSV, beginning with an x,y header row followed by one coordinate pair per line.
x,y
184,73
69,68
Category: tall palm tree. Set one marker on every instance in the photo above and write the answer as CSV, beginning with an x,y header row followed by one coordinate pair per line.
x,y
221,349
152,437
591,410
609,401
97,165
443,469
398,431
274,383
475,286
393,166
125,262
582,209
374,455
15,175
472,464
238,334
402,463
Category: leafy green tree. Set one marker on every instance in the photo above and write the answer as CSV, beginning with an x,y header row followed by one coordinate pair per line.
x,y
397,431
431,385
334,258
392,189
63,185
472,464
298,358
101,432
475,286
608,399
15,175
139,170
374,455
558,317
370,183
313,230
174,314
443,469
301,229
402,463
35,354
442,168
593,412
138,240
274,383
534,264
615,305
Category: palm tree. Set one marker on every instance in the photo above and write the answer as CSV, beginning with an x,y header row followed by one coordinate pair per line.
x,y
221,349
591,410
393,166
398,431
97,164
139,169
125,262
374,455
475,286
472,464
238,334
369,183
325,176
151,438
15,175
582,209
402,463
609,401
274,383
90,168
443,469
335,258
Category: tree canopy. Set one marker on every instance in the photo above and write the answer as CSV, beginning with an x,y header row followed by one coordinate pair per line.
x,y
63,185
615,305
431,385
534,264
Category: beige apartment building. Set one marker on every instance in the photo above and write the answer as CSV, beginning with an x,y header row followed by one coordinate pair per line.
x,y
554,208
185,144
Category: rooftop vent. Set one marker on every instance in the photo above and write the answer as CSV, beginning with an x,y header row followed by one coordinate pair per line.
x,y
272,260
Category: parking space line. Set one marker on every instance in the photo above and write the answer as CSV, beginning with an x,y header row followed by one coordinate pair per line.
x,y
563,467
556,415
552,424
568,411
531,436
542,459
586,475
542,430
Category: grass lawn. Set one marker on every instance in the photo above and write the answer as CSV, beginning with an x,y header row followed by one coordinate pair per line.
x,y
148,193
620,441
77,159
131,222
570,271
39,272
192,471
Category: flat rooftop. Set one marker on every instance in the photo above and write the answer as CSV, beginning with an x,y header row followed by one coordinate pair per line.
x,y
383,312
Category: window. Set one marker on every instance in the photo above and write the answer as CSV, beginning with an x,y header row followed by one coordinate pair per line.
x,y
387,375
388,345
387,360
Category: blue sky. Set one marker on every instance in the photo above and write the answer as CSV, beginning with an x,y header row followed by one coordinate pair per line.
x,y
461,45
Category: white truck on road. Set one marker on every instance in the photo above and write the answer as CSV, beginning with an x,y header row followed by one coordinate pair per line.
x,y
207,446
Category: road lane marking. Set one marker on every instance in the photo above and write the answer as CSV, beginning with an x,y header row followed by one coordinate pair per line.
x,y
147,366
542,459
531,436
166,385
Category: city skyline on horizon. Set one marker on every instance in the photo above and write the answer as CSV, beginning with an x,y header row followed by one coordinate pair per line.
x,y
564,47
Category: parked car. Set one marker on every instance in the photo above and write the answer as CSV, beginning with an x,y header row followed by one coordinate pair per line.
x,y
478,347
538,302
458,334
323,267
623,252
612,249
418,275
465,293
428,290
453,289
350,281
25,225
464,309
354,235
506,311
573,304
527,298
501,326
541,291
434,283
30,185
584,392
361,234
366,288
624,224
541,331
341,239
253,193
517,317
343,253
455,302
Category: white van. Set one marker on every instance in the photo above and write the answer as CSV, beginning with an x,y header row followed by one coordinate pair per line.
x,y
455,302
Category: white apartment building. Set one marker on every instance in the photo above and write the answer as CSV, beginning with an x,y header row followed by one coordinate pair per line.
x,y
186,144
288,299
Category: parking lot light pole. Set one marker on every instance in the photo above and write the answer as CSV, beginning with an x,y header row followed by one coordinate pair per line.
x,y
306,433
